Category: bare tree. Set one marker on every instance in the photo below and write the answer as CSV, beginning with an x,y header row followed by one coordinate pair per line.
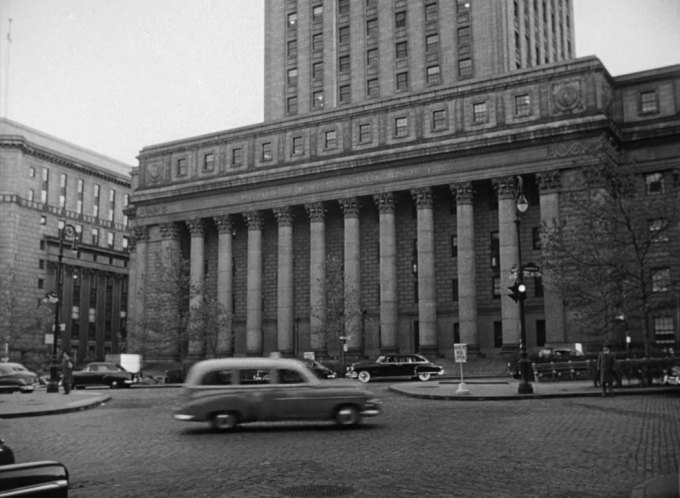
x,y
607,252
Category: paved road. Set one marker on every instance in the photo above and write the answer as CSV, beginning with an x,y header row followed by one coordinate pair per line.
x,y
131,447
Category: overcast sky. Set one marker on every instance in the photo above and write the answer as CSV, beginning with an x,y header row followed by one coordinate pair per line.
x,y
117,75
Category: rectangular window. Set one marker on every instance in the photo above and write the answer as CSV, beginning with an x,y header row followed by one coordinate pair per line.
x,y
95,237
317,13
292,105
496,287
317,71
364,133
454,290
209,162
431,12
298,148
343,6
317,42
292,19
433,75
536,238
41,283
439,120
79,233
654,183
401,126
237,156
318,99
658,229
292,76
432,42
343,35
401,50
495,262
400,19
292,48
43,220
372,88
79,200
112,204
330,139
45,185
464,37
95,203
266,152
402,81
31,195
345,94
454,246
182,166
522,105
661,279
31,172
372,57
372,28
126,242
664,332
479,114
465,68
110,240
62,190
343,64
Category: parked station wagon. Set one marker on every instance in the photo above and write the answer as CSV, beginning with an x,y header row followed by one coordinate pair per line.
x,y
230,391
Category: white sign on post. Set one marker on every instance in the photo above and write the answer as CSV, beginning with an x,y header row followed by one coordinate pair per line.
x,y
460,355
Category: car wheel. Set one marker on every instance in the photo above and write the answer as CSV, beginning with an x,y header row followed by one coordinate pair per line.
x,y
224,421
364,376
115,384
347,416
424,376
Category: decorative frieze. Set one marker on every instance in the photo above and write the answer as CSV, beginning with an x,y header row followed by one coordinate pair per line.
x,y
196,227
463,192
350,207
384,202
567,96
422,197
284,216
315,211
254,220
570,149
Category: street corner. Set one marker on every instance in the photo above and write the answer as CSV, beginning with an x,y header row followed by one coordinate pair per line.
x,y
40,403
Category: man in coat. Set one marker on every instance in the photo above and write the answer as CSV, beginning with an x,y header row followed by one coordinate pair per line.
x,y
606,365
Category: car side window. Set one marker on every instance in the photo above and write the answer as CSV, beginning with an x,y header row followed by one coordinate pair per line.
x,y
289,377
252,376
217,378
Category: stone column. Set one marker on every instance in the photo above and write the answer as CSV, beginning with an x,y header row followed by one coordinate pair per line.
x,y
549,183
197,276
254,283
467,274
137,290
170,236
389,310
225,280
353,333
285,292
317,276
427,295
509,254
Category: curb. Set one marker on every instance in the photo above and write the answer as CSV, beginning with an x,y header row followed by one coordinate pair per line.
x,y
84,405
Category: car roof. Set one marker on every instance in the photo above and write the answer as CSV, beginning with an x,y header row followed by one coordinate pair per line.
x,y
198,369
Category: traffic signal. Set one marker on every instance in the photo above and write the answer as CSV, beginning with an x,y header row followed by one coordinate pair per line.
x,y
518,292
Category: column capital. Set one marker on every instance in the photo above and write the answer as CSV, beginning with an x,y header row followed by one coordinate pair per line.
x,y
549,181
463,192
169,231
196,227
505,187
284,216
384,202
224,223
422,197
350,207
316,211
141,233
254,220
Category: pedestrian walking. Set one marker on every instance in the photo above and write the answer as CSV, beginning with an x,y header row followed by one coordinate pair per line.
x,y
606,365
66,372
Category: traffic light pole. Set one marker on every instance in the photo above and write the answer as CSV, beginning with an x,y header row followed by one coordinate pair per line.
x,y
524,386
53,383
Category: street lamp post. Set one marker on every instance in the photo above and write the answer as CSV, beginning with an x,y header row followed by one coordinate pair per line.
x,y
67,232
521,205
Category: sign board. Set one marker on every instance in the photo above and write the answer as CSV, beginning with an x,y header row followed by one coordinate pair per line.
x,y
531,270
308,355
460,353
49,339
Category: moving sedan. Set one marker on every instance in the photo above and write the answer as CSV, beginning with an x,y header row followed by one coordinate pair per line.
x,y
230,391
103,374
412,366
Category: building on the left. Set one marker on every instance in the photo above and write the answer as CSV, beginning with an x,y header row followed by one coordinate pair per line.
x,y
63,248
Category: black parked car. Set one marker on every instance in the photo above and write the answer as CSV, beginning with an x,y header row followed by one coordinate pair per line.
x,y
413,366
103,374
319,369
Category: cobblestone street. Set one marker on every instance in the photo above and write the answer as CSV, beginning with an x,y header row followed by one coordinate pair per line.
x,y
131,447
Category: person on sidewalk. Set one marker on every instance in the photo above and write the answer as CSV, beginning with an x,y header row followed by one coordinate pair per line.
x,y
606,365
66,372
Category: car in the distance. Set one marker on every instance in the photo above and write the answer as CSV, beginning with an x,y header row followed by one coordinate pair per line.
x,y
103,374
544,354
230,391
412,366
19,371
319,369
14,377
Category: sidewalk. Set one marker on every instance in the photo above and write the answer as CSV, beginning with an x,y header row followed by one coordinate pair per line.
x,y
40,402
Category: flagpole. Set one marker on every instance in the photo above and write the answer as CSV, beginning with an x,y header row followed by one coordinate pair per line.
x,y
9,46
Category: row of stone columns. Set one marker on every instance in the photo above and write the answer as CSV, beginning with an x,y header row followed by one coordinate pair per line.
x,y
427,307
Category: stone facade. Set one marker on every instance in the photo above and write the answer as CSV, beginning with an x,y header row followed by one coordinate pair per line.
x,y
415,195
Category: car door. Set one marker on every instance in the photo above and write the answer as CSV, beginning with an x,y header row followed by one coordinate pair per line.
x,y
293,397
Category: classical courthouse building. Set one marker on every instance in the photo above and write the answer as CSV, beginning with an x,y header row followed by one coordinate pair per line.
x,y
395,136
52,192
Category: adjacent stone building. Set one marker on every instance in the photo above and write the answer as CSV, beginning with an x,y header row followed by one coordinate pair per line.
x,y
413,192
49,187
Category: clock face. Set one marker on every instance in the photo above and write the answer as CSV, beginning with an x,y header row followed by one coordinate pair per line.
x,y
69,231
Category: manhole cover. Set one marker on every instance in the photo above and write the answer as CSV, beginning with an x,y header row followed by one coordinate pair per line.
x,y
316,490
